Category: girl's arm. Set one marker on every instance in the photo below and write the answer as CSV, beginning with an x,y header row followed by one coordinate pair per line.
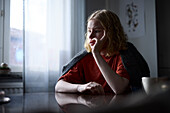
x,y
91,87
117,83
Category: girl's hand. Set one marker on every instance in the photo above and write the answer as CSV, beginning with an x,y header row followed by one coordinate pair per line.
x,y
91,87
97,44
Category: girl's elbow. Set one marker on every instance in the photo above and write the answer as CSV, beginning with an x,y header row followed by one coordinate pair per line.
x,y
118,92
57,87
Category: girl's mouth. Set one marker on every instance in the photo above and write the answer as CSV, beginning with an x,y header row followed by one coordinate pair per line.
x,y
92,42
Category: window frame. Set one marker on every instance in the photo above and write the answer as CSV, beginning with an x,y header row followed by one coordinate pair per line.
x,y
1,30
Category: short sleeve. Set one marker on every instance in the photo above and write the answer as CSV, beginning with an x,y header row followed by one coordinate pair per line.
x,y
74,75
121,69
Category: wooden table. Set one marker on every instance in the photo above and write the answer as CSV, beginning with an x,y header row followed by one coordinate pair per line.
x,y
51,102
55,102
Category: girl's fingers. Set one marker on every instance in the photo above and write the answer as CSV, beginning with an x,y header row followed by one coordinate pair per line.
x,y
95,88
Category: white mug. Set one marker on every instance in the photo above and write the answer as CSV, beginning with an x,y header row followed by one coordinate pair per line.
x,y
152,85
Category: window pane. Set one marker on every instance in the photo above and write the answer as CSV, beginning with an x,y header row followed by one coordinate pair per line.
x,y
16,35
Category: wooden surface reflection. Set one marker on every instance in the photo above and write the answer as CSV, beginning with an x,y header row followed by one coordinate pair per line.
x,y
71,103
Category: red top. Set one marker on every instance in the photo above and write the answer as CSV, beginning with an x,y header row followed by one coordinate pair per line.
x,y
86,70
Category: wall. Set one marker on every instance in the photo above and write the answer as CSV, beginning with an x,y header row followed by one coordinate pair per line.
x,y
147,45
92,5
163,35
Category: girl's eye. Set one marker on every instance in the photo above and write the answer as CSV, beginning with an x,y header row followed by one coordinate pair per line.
x,y
97,31
89,31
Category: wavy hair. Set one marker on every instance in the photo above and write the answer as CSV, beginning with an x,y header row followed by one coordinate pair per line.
x,y
114,31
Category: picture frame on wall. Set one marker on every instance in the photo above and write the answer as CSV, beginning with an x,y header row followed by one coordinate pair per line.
x,y
132,17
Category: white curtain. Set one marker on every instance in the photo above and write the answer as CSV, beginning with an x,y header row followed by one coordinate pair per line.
x,y
48,37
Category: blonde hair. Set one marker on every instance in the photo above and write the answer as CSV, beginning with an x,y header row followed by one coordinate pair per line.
x,y
114,31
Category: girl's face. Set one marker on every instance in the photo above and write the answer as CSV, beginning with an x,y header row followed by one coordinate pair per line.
x,y
94,30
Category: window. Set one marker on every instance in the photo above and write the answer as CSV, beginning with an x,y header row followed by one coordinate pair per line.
x,y
52,32
11,30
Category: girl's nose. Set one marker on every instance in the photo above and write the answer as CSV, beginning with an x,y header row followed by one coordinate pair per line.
x,y
91,35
